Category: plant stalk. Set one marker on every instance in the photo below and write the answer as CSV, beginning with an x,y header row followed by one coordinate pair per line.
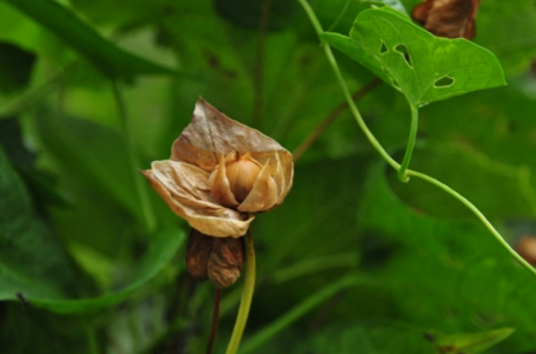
x,y
215,320
402,172
247,296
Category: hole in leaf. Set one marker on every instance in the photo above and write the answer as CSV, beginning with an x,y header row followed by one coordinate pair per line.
x,y
383,48
402,49
443,82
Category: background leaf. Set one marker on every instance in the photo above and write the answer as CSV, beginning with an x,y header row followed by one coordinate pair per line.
x,y
162,249
107,57
31,260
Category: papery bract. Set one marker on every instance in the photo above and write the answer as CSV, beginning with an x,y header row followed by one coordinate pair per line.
x,y
221,171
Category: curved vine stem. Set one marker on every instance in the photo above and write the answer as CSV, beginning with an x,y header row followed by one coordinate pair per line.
x,y
478,214
247,296
407,157
402,172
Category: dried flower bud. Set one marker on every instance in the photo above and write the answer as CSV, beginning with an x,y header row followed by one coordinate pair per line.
x,y
219,259
220,172
448,18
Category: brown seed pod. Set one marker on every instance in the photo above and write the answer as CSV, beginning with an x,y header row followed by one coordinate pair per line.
x,y
197,254
226,261
219,259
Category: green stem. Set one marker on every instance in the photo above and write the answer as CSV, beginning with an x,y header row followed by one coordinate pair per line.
x,y
402,175
391,161
478,214
247,296
331,59
141,187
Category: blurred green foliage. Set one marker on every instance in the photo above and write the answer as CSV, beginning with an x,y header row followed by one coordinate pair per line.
x,y
353,261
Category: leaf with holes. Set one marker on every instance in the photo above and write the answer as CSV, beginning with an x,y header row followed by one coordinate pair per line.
x,y
423,67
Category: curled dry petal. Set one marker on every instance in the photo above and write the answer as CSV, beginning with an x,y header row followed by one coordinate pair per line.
x,y
185,189
448,18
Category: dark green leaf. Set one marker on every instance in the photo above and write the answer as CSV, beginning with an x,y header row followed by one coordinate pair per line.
x,y
18,65
452,276
32,261
368,339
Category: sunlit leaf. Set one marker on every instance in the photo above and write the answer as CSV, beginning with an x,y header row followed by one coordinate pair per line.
x,y
423,67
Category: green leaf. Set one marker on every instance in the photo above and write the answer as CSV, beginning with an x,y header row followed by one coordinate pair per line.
x,y
395,4
473,343
110,59
162,248
423,67
32,261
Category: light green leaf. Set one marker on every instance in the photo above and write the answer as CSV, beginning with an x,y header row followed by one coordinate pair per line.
x,y
110,59
423,67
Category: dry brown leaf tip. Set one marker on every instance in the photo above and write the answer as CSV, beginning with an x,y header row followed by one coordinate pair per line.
x,y
220,172
448,18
